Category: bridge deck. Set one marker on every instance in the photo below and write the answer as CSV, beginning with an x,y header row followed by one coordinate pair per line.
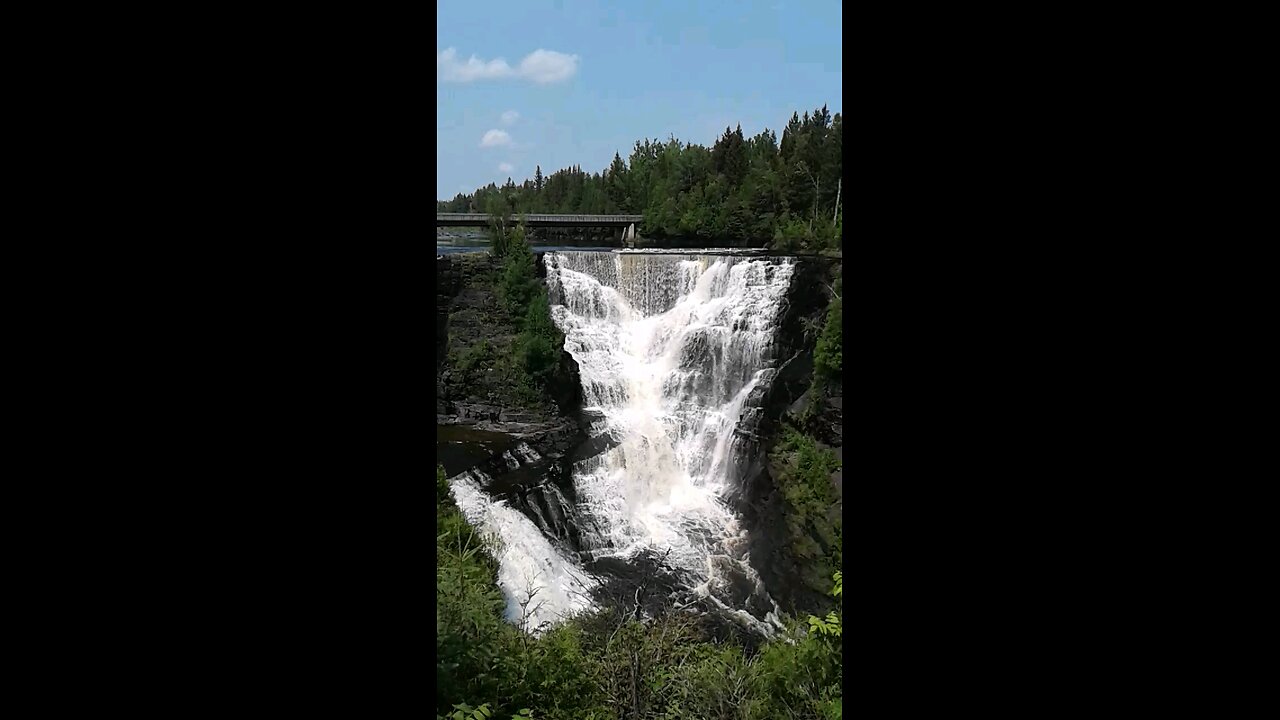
x,y
542,220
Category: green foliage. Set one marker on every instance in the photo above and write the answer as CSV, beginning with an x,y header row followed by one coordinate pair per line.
x,y
514,372
517,282
830,628
537,317
538,354
473,359
797,675
463,711
470,631
828,358
791,233
802,471
754,188
831,624
540,340
537,348
713,682
497,230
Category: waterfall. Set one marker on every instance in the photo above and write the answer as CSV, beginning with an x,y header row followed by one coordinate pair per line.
x,y
670,348
536,578
673,352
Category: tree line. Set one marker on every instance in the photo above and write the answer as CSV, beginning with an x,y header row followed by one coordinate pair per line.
x,y
787,191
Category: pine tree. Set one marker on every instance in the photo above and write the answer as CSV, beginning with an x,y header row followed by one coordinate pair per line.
x,y
616,182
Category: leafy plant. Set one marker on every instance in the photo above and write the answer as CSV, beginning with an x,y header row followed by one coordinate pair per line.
x,y
802,471
831,624
463,711
517,283
828,357
471,359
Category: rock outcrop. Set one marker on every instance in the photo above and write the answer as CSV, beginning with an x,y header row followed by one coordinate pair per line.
x,y
792,399
477,380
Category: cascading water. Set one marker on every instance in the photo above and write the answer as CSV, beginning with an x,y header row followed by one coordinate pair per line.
x,y
672,349
535,576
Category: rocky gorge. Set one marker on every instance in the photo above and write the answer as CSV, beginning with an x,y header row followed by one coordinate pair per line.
x,y
548,433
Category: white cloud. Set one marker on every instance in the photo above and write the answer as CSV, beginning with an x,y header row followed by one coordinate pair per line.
x,y
449,69
494,138
509,117
548,66
506,167
540,66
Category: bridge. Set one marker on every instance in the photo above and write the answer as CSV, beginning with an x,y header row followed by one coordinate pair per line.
x,y
482,220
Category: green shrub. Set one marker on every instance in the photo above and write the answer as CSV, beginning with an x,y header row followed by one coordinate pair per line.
x,y
463,711
537,348
831,624
473,359
793,676
470,631
828,357
518,282
803,475
714,683
792,234
796,233
537,318
538,355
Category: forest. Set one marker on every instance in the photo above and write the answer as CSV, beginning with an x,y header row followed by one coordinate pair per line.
x,y
785,191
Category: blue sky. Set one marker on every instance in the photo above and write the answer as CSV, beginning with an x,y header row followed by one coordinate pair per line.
x,y
579,80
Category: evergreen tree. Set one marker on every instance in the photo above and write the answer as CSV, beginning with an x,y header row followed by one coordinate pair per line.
x,y
616,183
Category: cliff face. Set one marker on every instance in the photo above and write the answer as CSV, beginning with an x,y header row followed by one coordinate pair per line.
x,y
448,281
802,320
478,379
776,530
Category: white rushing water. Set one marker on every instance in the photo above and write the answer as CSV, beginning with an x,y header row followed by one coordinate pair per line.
x,y
669,347
528,564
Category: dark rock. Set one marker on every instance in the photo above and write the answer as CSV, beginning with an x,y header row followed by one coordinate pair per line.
x,y
565,384
799,406
789,397
473,325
